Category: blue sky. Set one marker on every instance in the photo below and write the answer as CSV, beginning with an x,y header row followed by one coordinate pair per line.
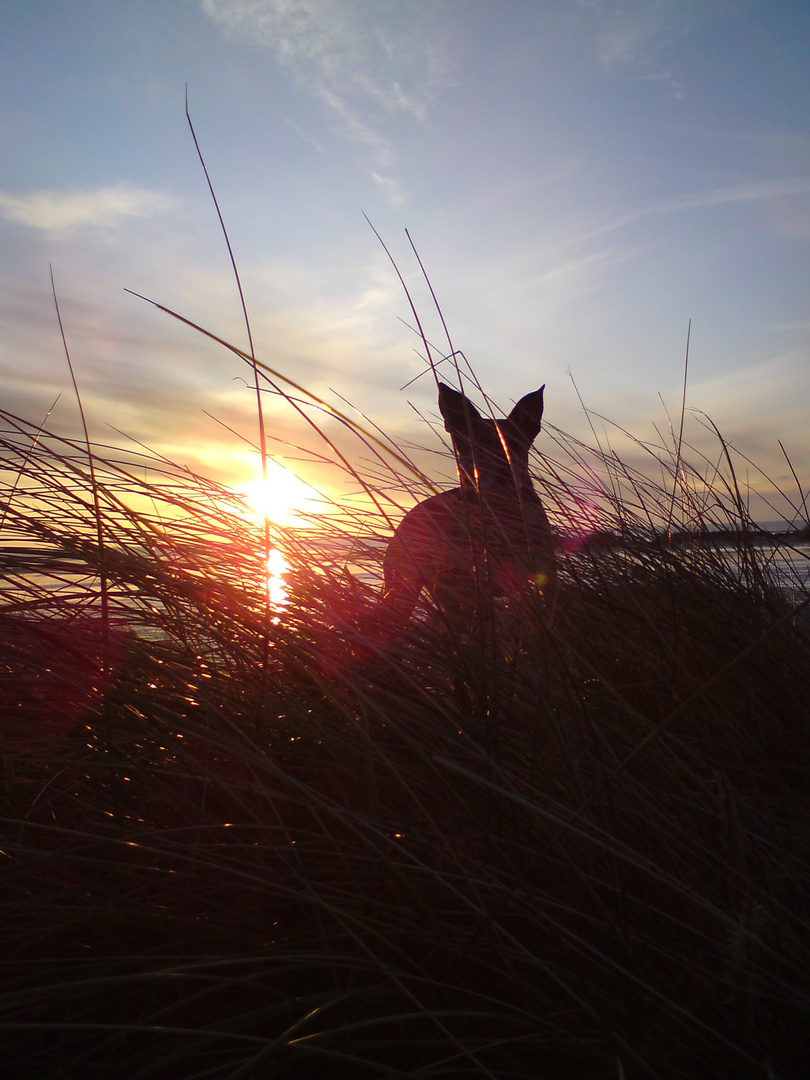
x,y
581,178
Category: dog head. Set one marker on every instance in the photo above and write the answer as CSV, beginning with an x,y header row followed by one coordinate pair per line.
x,y
493,455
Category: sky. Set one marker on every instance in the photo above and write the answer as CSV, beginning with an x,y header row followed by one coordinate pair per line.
x,y
580,178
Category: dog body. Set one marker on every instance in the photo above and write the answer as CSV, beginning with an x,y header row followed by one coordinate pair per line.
x,y
489,536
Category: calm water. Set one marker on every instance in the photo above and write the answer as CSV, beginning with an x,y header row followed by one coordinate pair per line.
x,y
789,564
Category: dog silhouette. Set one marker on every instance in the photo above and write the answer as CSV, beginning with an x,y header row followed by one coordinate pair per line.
x,y
489,536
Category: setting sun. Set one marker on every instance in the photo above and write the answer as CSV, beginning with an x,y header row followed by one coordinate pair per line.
x,y
283,498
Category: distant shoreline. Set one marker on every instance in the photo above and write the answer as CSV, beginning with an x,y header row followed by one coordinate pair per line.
x,y
13,555
758,535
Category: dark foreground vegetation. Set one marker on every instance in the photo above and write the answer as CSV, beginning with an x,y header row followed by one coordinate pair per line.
x,y
574,844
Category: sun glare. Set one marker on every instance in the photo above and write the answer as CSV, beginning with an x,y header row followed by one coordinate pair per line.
x,y
283,498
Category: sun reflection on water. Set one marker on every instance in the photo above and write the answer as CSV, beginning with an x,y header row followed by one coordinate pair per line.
x,y
282,504
278,594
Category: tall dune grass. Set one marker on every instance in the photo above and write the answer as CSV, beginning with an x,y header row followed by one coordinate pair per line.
x,y
573,844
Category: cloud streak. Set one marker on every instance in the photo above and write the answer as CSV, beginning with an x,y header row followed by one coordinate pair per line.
x,y
635,38
66,211
757,192
367,66
334,47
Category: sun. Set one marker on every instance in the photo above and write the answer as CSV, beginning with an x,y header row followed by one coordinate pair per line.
x,y
283,498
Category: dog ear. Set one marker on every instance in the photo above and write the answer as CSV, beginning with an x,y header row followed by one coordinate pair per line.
x,y
458,412
526,416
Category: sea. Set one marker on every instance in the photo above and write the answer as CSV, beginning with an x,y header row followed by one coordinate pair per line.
x,y
34,577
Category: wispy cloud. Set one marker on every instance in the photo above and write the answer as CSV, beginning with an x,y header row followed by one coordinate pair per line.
x,y
365,61
635,38
762,191
633,31
337,47
299,131
64,211
391,186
